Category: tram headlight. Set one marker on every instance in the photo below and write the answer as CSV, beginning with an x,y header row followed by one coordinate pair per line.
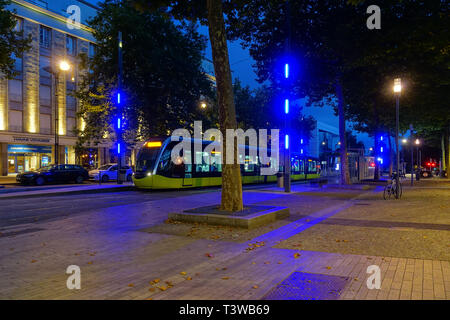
x,y
149,174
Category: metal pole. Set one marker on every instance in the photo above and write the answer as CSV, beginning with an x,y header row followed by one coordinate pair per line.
x,y
412,163
119,112
397,107
420,160
287,159
56,146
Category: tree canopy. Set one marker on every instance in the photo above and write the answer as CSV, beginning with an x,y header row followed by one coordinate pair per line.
x,y
163,78
12,42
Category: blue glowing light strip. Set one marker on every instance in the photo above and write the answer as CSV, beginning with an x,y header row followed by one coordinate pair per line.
x,y
118,98
286,141
286,70
286,106
118,123
118,148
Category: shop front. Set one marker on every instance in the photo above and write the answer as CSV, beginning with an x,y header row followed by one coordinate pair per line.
x,y
28,157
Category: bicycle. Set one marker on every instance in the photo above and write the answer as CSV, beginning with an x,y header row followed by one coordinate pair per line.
x,y
391,189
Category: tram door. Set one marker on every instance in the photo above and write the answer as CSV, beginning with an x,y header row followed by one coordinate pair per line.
x,y
187,179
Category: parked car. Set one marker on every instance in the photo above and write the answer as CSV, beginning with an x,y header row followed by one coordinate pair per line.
x,y
109,172
62,173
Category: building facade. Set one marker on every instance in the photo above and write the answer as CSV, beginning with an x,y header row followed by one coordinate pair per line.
x,y
28,106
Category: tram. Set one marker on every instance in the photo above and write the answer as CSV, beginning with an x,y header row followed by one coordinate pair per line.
x,y
156,170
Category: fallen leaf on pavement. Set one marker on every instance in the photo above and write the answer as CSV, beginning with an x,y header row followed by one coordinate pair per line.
x,y
33,261
328,267
151,289
255,287
131,285
296,255
162,288
183,273
225,278
188,278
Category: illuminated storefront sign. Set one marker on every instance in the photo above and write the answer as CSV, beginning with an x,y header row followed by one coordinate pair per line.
x,y
21,148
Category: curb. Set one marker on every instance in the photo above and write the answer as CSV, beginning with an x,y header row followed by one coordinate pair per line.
x,y
74,192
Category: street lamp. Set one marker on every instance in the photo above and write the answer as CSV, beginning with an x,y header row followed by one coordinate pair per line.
x,y
203,105
397,92
63,66
405,141
419,160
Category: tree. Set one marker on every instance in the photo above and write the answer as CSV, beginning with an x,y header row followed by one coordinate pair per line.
x,y
163,79
12,42
336,49
321,43
213,15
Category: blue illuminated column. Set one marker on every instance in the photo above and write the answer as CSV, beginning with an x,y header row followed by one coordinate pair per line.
x,y
287,153
121,147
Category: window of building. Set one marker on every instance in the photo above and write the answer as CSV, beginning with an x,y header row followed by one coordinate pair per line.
x,y
45,124
15,121
45,37
19,25
45,98
15,90
44,62
17,62
71,105
71,125
71,45
92,50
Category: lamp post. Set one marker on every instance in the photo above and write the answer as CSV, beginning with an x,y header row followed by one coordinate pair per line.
x,y
63,66
417,143
397,92
405,141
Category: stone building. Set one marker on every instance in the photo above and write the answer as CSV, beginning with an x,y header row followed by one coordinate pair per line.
x,y
28,106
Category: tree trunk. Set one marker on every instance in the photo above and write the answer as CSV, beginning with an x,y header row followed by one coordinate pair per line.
x,y
345,174
231,173
446,150
391,156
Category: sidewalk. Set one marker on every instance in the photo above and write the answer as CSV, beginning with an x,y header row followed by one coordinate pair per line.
x,y
33,191
331,237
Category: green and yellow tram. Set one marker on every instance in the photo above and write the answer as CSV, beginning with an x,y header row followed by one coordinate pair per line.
x,y
156,170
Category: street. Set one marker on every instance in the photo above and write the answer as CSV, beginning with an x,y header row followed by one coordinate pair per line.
x,y
126,249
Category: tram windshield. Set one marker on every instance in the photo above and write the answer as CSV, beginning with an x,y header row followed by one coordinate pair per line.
x,y
146,159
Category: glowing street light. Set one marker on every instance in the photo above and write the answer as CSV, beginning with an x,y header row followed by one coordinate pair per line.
x,y
203,105
397,91
397,85
64,65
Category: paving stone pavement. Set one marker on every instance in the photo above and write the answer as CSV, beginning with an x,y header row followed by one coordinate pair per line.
x,y
119,261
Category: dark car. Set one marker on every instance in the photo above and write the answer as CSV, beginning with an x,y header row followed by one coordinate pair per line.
x,y
62,173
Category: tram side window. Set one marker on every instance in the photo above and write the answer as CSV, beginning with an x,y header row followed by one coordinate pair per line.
x,y
312,166
295,166
187,158
249,164
164,165
216,165
200,165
